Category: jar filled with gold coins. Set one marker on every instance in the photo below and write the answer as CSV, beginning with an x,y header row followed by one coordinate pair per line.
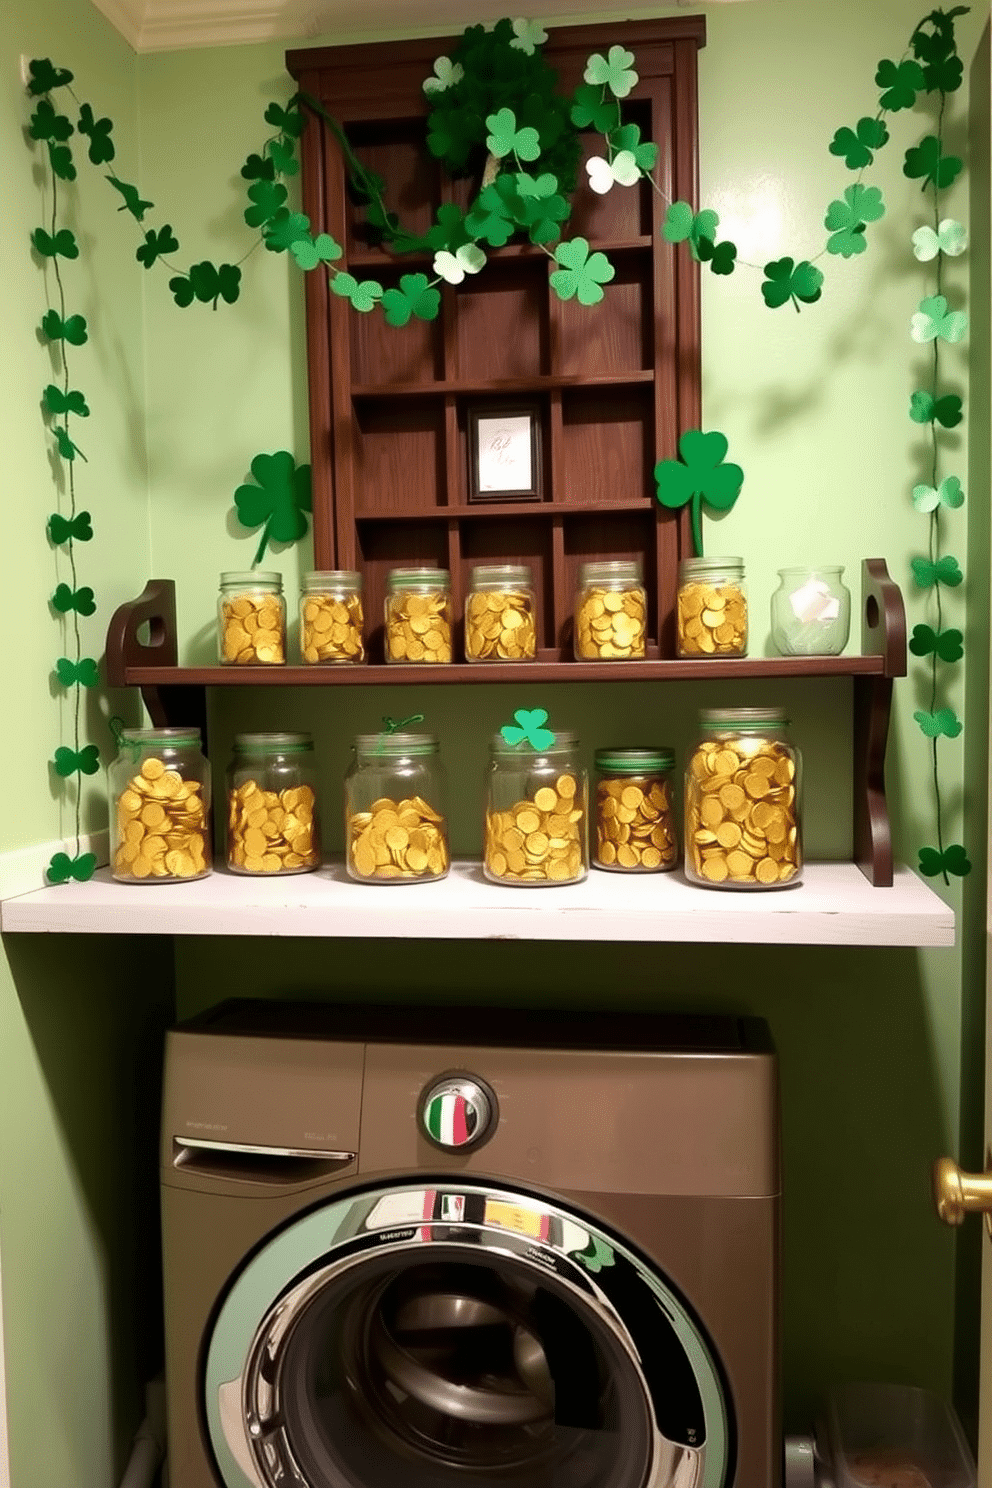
x,y
742,801
331,620
500,620
418,616
159,787
272,820
536,823
610,612
635,829
251,619
711,614
395,814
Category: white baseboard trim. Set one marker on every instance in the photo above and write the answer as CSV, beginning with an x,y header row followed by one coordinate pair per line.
x,y
23,870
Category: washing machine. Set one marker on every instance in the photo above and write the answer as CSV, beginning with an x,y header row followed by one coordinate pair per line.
x,y
454,1249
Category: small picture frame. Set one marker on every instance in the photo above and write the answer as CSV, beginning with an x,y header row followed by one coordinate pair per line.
x,y
504,452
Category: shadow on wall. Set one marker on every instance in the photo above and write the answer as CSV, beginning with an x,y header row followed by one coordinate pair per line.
x,y
95,1010
868,1269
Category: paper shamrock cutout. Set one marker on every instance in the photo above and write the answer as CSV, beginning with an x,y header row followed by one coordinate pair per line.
x,y
953,860
59,402
44,77
208,284
856,146
506,139
946,644
927,161
528,728
527,35
85,671
699,476
65,446
132,201
945,571
279,501
681,225
61,868
943,723
452,267
622,170
721,257
289,119
51,245
614,71
284,229
266,198
932,320
628,137
101,150
81,600
581,274
85,761
259,168
786,280
446,75
78,528
924,408
414,298
950,238
591,108
948,493
156,244
364,296
846,219
47,124
901,81
309,252
72,329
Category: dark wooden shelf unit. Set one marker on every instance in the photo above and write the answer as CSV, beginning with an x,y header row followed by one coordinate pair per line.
x,y
615,383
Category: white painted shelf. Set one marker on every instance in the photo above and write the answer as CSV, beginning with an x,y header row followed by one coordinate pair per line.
x,y
835,905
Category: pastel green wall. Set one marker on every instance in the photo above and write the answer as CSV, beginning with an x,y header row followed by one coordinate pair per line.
x,y
77,1237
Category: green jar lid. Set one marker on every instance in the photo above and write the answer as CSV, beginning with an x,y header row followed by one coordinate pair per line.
x,y
272,743
642,761
745,720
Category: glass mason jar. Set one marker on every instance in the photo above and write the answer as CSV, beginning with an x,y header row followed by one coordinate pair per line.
x,y
418,615
500,609
635,829
251,619
536,814
711,616
159,787
742,801
395,814
272,820
811,612
610,612
331,620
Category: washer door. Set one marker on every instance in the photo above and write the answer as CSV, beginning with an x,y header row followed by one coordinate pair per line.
x,y
470,1335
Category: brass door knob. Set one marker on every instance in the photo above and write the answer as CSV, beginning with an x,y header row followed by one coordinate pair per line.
x,y
957,1194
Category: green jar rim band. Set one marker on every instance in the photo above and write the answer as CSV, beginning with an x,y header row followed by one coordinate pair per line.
x,y
272,743
409,578
395,745
635,761
493,573
747,719
700,567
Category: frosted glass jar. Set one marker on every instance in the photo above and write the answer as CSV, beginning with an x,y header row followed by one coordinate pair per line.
x,y
395,814
331,620
811,612
419,616
711,608
742,801
535,831
500,614
610,612
159,787
251,619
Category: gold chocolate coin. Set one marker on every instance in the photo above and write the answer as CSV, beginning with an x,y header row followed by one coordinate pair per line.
x,y
331,628
741,826
711,620
499,626
538,840
253,631
272,831
635,831
397,840
611,625
162,826
418,627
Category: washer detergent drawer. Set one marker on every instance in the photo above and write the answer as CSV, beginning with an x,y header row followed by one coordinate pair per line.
x,y
460,1334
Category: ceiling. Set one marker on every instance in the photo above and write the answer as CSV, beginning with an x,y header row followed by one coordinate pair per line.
x,y
175,25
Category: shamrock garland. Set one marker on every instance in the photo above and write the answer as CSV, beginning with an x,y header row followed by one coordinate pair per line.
x,y
936,67
62,403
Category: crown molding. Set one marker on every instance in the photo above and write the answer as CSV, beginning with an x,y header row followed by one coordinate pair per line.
x,y
178,25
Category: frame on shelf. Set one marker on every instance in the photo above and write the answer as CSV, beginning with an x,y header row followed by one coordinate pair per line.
x,y
504,451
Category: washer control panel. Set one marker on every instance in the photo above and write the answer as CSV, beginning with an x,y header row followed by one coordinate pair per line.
x,y
457,1111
